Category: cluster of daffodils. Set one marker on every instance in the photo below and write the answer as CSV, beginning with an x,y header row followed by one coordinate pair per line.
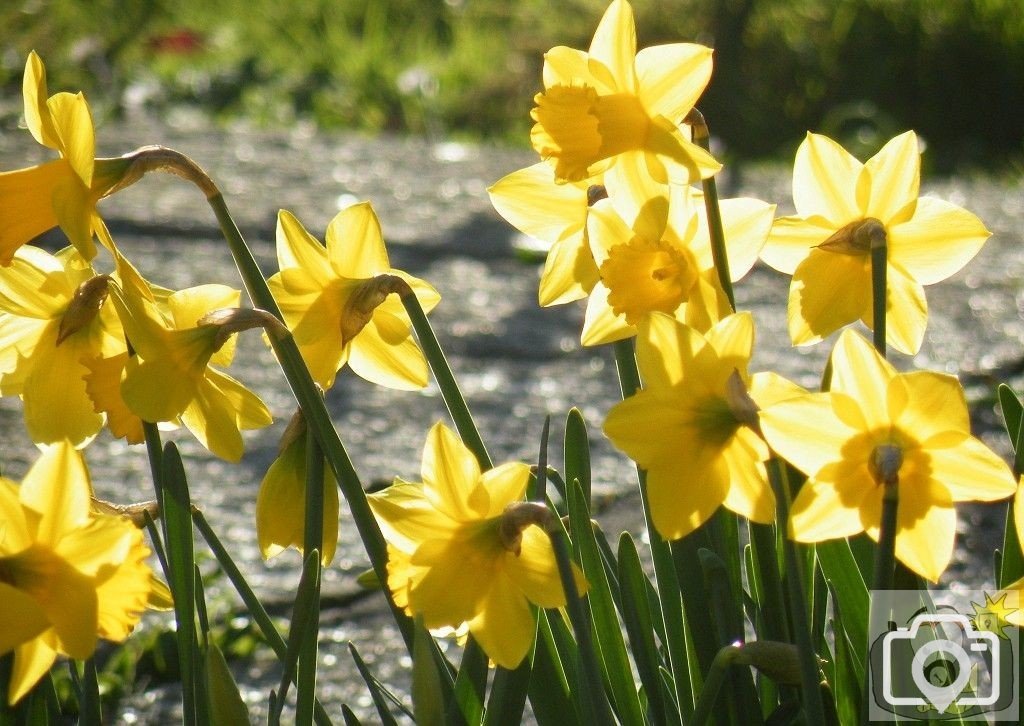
x,y
612,198
615,197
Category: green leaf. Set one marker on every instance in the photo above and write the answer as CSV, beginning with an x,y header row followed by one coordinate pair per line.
x,y
555,666
1013,412
378,693
226,704
509,689
844,579
350,718
608,633
303,613
636,615
577,451
427,699
467,706
847,685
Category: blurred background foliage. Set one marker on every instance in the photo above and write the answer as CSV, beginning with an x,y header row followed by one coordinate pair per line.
x,y
860,70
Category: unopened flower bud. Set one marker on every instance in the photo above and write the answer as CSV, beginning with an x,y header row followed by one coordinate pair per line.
x,y
778,661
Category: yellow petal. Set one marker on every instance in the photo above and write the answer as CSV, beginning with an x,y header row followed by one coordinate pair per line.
x,y
103,386
444,594
31,662
15,535
645,427
928,404
37,115
732,338
925,529
535,572
26,206
407,517
792,239
860,372
746,224
637,198
937,241
249,410
188,306
73,122
400,365
614,44
684,496
315,322
531,201
22,617
570,272
825,510
568,67
605,230
828,291
355,244
806,431
124,595
665,349
504,484
895,177
298,248
74,209
672,77
825,179
907,311
748,494
57,486
57,405
450,473
158,390
683,161
601,324
505,625
972,472
768,388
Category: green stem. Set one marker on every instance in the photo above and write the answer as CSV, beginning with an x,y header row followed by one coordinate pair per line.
x,y
450,391
713,684
885,554
252,602
719,252
879,269
794,581
313,536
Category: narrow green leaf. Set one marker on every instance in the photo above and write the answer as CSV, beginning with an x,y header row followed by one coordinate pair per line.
x,y
350,718
226,704
427,698
577,451
636,615
847,685
1013,413
608,633
840,569
509,690
377,692
306,602
467,705
177,519
555,673
90,712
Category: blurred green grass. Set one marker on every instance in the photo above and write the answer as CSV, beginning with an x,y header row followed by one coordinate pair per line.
x,y
860,70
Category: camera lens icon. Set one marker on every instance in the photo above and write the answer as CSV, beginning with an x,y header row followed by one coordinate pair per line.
x,y
940,667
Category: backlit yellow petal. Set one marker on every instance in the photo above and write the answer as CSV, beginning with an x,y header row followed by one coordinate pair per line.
x,y
450,472
932,404
746,224
505,625
601,324
640,427
614,44
827,510
570,272
672,77
806,431
37,115
26,207
22,618
398,365
907,311
971,471
74,207
31,662
73,122
355,244
569,67
937,241
503,485
925,531
860,372
298,248
188,306
684,496
828,291
535,571
665,349
825,181
895,177
748,493
531,201
103,386
57,487
791,239
57,405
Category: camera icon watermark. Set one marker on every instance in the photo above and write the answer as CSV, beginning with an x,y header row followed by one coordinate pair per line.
x,y
943,656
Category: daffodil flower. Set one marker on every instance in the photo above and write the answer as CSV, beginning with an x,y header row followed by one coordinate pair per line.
x,y
877,425
531,201
68,576
841,204
337,302
693,427
54,317
662,261
612,105
463,548
171,375
281,502
63,192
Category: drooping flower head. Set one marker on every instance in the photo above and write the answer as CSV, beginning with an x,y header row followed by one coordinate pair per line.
x,y
68,576
54,318
693,427
337,302
612,105
63,192
281,503
463,548
171,374
842,205
876,426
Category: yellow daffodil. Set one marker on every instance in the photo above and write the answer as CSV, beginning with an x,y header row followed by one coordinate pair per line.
x,y
171,374
841,206
662,260
612,105
62,192
463,548
54,316
68,576
281,503
336,301
693,427
876,424
531,201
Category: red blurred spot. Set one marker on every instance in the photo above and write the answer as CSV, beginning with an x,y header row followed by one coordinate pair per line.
x,y
180,42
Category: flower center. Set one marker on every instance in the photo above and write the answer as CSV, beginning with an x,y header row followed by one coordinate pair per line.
x,y
643,277
885,462
578,128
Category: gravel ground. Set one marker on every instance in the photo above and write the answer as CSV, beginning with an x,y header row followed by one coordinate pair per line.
x,y
515,361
